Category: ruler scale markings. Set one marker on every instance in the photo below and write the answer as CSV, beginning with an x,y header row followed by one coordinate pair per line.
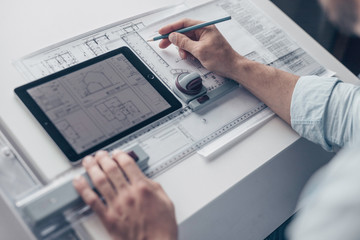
x,y
165,164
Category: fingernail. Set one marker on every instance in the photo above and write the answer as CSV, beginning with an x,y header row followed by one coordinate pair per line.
x,y
182,53
172,38
88,160
101,153
116,151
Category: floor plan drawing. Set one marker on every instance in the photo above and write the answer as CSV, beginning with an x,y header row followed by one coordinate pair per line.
x,y
68,131
93,82
126,113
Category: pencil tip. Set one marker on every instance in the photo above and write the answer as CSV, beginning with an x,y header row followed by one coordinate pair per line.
x,y
150,40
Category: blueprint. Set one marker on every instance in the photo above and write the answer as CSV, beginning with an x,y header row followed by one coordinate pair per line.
x,y
251,32
86,46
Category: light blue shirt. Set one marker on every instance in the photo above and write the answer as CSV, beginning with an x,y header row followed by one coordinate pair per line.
x,y
327,111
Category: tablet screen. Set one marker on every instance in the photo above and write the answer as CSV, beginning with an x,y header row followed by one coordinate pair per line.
x,y
99,101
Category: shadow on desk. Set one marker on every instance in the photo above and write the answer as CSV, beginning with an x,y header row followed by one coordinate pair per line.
x,y
279,233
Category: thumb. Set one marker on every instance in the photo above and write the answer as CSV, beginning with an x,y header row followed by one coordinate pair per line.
x,y
182,41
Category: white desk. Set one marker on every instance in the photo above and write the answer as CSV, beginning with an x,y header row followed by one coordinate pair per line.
x,y
27,26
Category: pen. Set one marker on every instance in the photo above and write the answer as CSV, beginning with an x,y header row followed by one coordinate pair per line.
x,y
187,29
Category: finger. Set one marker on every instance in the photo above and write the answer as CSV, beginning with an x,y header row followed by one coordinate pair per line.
x,y
89,196
183,54
111,169
183,23
128,165
99,178
164,43
182,41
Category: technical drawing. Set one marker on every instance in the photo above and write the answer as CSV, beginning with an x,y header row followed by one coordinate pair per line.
x,y
105,112
64,111
113,109
90,83
95,81
129,27
60,61
134,27
96,44
122,111
50,96
68,131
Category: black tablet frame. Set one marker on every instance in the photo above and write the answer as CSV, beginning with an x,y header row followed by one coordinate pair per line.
x,y
55,134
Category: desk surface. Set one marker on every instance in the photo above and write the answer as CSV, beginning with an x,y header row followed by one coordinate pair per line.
x,y
27,26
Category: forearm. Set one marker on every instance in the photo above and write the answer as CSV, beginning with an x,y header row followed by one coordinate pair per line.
x,y
272,86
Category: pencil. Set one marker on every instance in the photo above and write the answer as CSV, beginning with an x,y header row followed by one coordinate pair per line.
x,y
191,28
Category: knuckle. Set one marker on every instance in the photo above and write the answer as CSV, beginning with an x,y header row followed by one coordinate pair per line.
x,y
100,181
182,43
119,209
111,168
129,201
126,161
201,52
143,189
89,198
92,201
111,221
157,186
122,185
212,28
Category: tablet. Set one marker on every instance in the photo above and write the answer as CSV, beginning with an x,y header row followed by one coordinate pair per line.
x,y
93,104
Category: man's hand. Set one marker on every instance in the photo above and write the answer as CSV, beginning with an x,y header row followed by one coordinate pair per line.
x,y
206,44
136,207
272,86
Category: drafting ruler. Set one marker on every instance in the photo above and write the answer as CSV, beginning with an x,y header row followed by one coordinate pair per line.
x,y
157,166
176,158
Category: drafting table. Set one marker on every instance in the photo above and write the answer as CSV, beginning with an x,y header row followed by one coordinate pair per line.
x,y
247,191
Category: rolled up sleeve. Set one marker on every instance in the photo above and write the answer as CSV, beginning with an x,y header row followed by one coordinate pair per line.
x,y
325,111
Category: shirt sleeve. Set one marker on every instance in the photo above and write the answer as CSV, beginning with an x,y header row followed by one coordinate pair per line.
x,y
330,204
325,111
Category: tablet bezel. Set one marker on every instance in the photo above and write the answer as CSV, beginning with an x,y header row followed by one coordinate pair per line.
x,y
55,134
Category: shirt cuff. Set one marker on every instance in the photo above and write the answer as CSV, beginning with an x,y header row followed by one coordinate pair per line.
x,y
308,107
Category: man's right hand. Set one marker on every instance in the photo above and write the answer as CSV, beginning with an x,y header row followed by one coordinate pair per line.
x,y
206,44
272,86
